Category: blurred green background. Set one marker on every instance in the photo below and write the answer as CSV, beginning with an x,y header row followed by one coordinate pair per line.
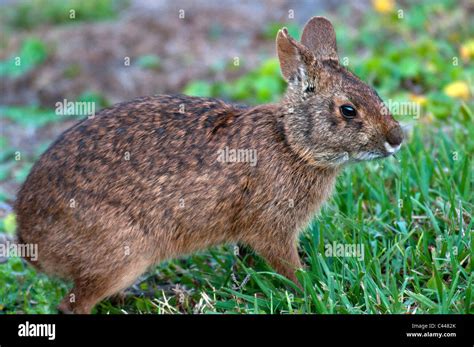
x,y
412,213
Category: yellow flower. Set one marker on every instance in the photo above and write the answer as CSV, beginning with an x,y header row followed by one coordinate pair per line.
x,y
467,50
383,6
419,99
457,89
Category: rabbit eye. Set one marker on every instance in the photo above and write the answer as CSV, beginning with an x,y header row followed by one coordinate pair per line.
x,y
348,111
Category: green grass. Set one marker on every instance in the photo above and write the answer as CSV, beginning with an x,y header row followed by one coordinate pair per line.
x,y
28,14
412,214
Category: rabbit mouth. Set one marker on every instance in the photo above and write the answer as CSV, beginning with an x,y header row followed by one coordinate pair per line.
x,y
340,159
369,155
346,158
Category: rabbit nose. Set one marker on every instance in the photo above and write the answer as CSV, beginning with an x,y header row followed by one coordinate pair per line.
x,y
395,136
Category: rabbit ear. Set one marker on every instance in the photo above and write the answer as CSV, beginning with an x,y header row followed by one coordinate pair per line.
x,y
320,38
291,53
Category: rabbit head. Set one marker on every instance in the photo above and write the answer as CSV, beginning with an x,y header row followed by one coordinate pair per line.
x,y
331,117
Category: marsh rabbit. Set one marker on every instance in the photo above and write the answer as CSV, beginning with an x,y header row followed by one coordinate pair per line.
x,y
146,180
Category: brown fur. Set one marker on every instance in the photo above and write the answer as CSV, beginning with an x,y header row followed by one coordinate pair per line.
x,y
101,220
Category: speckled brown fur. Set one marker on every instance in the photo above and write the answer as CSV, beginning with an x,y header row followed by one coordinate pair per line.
x,y
140,182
